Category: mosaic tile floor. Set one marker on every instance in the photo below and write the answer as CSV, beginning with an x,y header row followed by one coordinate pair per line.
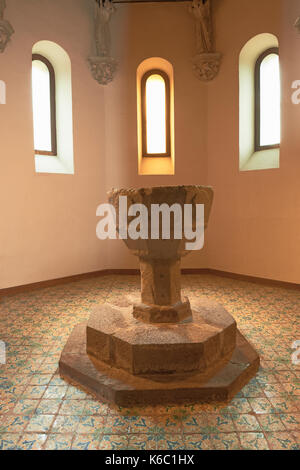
x,y
38,410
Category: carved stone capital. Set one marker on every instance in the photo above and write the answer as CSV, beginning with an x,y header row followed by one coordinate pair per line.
x,y
103,69
6,31
206,66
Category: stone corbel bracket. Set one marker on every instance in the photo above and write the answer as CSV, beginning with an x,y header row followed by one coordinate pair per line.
x,y
103,67
206,63
6,29
206,66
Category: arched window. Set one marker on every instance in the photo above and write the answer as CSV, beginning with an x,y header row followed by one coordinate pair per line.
x,y
44,107
155,99
267,100
2,92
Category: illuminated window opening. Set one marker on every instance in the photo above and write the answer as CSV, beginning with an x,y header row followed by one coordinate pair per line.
x,y
267,101
156,131
44,108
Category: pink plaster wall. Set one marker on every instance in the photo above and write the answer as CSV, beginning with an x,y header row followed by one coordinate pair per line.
x,y
255,224
48,221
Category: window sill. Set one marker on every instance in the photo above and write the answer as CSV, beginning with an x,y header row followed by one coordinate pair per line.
x,y
263,160
156,166
48,164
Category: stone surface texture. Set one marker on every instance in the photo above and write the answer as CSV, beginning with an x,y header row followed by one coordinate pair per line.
x,y
162,349
160,259
117,338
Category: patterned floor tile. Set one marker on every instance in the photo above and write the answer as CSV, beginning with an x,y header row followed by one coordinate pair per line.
x,y
238,406
113,442
253,390
220,423
271,422
55,391
65,424
173,442
246,422
25,407
274,390
253,441
281,441
261,405
7,405
291,421
286,376
33,396
292,389
8,441
48,407
195,424
40,379
171,423
228,441
59,442
284,404
117,425
93,407
72,407
34,391
85,442
13,423
31,441
296,436
74,393
143,424
40,423
142,442
91,424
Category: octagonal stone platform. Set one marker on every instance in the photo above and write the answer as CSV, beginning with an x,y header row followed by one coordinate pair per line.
x,y
204,359
198,344
125,389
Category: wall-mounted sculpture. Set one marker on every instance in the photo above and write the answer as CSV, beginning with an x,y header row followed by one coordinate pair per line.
x,y
206,63
6,29
103,66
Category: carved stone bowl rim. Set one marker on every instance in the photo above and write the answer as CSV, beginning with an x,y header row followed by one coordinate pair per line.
x,y
148,189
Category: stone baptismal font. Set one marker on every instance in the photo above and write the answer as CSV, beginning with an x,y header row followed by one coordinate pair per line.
x,y
164,349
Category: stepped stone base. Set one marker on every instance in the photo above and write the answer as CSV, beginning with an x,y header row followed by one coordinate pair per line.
x,y
126,389
197,344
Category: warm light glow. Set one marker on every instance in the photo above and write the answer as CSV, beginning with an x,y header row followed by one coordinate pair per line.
x,y
41,106
156,115
270,101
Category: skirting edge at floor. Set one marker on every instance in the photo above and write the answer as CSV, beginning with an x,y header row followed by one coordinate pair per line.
x,y
134,272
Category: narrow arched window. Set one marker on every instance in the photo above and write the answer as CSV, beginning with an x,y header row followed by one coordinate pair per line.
x,y
44,109
2,92
155,99
267,100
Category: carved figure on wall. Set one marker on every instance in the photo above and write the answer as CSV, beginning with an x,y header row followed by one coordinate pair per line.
x,y
103,66
204,30
103,15
206,63
6,29
2,8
